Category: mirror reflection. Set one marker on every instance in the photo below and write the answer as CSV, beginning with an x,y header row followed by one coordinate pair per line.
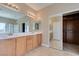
x,y
15,21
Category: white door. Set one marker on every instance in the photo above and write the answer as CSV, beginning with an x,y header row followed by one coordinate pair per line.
x,y
57,33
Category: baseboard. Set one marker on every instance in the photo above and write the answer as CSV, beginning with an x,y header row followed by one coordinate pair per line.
x,y
45,45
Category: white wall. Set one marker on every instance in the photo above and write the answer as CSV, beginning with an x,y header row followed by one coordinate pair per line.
x,y
45,30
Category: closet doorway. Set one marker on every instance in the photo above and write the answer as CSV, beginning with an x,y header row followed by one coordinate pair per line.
x,y
71,32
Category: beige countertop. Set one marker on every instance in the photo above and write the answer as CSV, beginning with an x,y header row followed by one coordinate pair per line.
x,y
14,35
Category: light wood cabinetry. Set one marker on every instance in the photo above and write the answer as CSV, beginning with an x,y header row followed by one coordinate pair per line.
x,y
39,39
35,41
29,43
20,45
7,47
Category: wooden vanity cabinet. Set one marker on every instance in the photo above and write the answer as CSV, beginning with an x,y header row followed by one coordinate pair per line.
x,y
20,45
7,47
35,41
25,44
39,39
29,43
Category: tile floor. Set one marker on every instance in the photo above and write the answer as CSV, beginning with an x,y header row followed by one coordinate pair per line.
x,y
71,48
43,51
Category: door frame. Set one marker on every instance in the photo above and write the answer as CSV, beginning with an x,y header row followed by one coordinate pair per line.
x,y
62,33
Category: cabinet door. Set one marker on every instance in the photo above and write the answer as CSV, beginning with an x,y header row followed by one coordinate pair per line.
x,y
20,46
7,47
29,43
39,39
35,41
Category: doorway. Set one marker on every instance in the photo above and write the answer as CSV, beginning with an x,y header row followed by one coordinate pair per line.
x,y
71,32
55,32
23,27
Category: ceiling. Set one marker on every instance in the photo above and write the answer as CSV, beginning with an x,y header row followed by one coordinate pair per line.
x,y
38,6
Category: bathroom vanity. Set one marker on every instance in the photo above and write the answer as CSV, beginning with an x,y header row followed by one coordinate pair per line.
x,y
19,44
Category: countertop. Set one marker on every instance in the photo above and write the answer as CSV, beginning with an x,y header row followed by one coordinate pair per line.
x,y
14,35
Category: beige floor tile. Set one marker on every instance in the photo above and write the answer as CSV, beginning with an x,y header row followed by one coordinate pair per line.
x,y
43,51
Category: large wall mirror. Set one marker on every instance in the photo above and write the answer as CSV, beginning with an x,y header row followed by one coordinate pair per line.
x,y
16,22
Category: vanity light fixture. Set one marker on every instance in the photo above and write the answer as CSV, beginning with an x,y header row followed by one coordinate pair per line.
x,y
11,5
32,15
